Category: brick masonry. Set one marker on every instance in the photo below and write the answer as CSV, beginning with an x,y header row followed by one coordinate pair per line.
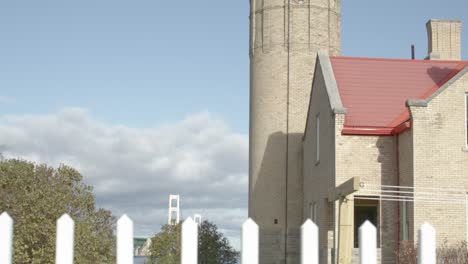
x,y
444,39
440,159
285,36
286,179
432,154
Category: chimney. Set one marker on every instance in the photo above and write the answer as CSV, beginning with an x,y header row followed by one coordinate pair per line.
x,y
444,39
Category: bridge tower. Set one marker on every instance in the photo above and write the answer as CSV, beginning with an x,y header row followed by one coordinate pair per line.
x,y
174,209
197,218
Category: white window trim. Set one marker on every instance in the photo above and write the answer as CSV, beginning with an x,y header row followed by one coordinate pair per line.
x,y
313,212
466,121
317,138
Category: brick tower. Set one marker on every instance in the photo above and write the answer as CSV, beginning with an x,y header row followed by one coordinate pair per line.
x,y
285,36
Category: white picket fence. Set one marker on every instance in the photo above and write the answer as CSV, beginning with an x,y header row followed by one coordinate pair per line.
x,y
189,254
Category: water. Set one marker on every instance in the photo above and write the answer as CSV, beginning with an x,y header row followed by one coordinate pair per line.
x,y
139,260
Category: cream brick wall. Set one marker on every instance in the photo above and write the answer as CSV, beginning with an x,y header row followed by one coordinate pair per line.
x,y
405,159
280,87
342,157
372,158
319,176
284,178
441,160
444,39
432,154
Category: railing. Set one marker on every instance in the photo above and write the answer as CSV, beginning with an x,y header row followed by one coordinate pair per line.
x,y
189,248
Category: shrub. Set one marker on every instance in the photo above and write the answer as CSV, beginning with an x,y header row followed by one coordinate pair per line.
x,y
446,254
457,254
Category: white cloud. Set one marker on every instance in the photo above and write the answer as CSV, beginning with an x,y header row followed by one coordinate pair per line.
x,y
134,170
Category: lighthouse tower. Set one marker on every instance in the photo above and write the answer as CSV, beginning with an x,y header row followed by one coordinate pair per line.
x,y
285,36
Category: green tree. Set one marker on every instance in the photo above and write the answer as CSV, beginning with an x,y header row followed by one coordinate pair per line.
x,y
165,246
213,246
36,196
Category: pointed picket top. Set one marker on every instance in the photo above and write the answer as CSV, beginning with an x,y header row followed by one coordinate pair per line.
x,y
309,243
368,226
65,240
66,221
367,229
426,244
6,238
368,243
189,249
426,227
124,220
309,225
5,218
249,223
125,240
189,222
250,242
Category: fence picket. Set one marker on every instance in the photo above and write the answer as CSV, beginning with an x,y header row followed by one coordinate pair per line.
x,y
309,243
65,240
249,242
189,249
6,238
125,240
368,243
426,244
189,254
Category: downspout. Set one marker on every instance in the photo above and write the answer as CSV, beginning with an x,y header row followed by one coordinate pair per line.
x,y
287,135
397,176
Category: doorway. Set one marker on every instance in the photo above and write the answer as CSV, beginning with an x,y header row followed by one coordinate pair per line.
x,y
365,210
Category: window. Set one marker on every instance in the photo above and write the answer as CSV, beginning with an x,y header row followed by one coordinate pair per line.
x,y
313,212
404,221
317,143
466,119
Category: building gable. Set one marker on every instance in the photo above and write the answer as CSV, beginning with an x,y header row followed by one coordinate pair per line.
x,y
324,77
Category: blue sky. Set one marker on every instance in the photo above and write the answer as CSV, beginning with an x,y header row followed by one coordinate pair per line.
x,y
144,63
151,97
134,62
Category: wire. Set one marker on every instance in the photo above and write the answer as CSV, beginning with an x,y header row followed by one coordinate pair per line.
x,y
376,198
411,194
363,185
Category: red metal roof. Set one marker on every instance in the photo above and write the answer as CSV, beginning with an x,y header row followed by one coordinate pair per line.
x,y
374,91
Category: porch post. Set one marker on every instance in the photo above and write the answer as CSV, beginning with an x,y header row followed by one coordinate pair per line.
x,y
344,194
345,229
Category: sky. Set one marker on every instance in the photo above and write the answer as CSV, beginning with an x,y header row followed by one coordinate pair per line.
x,y
147,98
